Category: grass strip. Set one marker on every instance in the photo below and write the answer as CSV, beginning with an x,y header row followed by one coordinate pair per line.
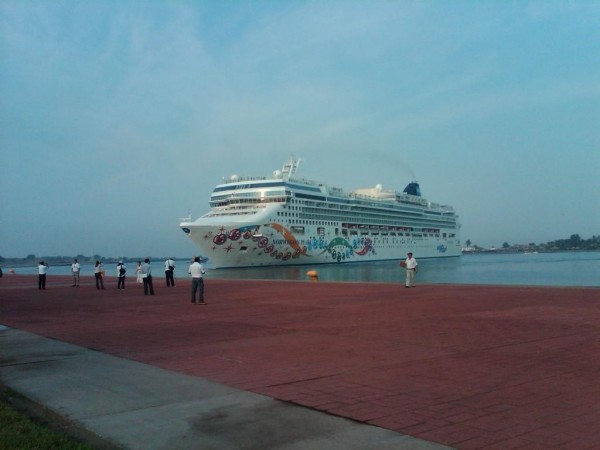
x,y
28,426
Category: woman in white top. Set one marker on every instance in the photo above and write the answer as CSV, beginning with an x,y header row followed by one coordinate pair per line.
x,y
75,268
138,272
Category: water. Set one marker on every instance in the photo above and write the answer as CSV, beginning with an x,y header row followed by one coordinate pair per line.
x,y
542,269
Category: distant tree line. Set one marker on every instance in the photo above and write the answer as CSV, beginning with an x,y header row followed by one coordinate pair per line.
x,y
574,242
32,259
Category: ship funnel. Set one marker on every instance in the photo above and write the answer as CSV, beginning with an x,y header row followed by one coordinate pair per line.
x,y
413,189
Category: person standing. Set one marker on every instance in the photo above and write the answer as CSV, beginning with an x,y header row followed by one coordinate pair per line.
x,y
169,269
75,268
138,272
147,277
412,268
98,272
42,269
121,270
196,271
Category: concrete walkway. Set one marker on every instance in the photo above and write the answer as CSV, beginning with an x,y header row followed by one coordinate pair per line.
x,y
137,406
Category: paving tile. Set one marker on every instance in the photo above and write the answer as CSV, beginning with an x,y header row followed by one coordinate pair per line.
x,y
421,428
480,442
399,421
452,434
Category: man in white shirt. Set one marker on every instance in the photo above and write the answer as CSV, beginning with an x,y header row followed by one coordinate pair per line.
x,y
121,271
411,270
196,271
42,269
169,269
75,269
147,277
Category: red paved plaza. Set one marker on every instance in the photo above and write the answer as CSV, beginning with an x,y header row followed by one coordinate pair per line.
x,y
467,366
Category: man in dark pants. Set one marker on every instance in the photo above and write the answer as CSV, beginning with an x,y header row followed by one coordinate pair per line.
x,y
121,271
42,269
169,269
196,271
147,277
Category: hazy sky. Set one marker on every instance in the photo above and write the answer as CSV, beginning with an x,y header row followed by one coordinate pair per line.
x,y
119,117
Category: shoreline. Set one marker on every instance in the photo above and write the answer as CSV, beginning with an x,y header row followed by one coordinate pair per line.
x,y
57,261
89,280
560,269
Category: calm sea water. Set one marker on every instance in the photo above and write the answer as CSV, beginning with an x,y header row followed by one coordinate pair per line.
x,y
538,269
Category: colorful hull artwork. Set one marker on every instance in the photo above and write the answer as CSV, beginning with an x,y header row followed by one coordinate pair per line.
x,y
260,221
339,249
275,244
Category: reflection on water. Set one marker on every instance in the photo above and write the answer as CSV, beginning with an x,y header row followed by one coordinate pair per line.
x,y
368,272
548,269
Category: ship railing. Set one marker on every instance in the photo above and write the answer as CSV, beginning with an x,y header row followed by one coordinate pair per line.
x,y
446,209
186,219
238,179
412,199
370,197
303,181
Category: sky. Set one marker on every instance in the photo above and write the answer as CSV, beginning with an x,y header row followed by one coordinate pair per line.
x,y
117,118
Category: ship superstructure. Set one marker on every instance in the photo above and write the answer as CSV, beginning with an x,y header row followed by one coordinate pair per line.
x,y
261,221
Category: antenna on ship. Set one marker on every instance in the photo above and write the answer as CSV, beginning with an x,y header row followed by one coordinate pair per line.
x,y
289,168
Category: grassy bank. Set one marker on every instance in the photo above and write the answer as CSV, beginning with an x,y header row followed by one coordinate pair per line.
x,y
25,425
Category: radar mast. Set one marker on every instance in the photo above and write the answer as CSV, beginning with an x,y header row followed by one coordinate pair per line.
x,y
289,168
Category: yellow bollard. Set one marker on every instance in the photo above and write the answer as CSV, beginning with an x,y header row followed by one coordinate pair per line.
x,y
314,276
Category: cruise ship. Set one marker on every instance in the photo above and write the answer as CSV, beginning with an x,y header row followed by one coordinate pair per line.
x,y
285,220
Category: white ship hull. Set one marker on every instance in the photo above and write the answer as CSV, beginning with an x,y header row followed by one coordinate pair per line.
x,y
272,222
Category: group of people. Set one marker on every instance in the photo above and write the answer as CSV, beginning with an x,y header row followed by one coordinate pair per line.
x,y
196,271
143,273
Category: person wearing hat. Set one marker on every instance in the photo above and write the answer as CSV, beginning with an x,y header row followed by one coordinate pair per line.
x,y
411,269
